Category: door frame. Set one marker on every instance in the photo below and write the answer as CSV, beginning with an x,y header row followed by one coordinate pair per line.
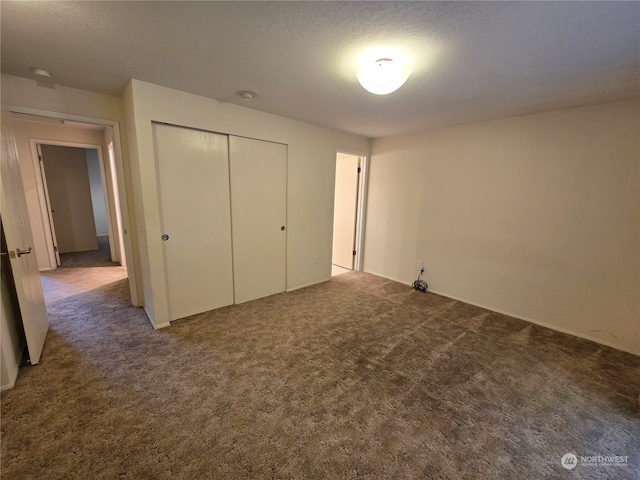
x,y
45,210
126,207
361,203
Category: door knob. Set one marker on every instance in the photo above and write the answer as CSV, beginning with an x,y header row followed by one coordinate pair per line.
x,y
282,228
24,252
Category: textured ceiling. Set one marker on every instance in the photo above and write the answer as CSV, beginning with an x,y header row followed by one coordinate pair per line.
x,y
472,61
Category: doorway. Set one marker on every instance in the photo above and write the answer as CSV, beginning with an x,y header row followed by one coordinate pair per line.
x,y
95,137
347,213
76,200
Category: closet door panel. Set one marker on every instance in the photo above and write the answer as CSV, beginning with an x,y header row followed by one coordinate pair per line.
x,y
193,182
258,212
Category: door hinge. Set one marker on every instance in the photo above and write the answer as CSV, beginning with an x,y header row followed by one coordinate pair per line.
x,y
359,169
354,252
55,248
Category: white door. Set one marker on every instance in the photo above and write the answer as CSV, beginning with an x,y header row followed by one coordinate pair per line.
x,y
259,213
193,179
52,226
15,220
111,174
344,210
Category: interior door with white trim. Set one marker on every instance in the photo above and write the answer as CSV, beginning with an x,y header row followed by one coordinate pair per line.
x,y
345,207
193,182
24,266
52,227
259,213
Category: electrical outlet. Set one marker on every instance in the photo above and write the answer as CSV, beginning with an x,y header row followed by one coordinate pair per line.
x,y
420,264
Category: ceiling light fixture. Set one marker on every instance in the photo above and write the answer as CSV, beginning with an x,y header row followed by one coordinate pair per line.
x,y
247,95
41,72
383,75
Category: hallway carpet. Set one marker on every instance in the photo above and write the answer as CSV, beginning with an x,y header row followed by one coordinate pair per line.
x,y
358,377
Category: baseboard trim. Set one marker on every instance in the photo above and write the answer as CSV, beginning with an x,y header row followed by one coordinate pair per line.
x,y
153,324
391,278
307,285
10,385
539,323
520,317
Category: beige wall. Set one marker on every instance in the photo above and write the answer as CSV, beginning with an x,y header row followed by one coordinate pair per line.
x,y
537,217
17,91
311,169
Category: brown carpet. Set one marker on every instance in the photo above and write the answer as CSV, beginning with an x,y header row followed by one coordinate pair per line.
x,y
92,258
358,377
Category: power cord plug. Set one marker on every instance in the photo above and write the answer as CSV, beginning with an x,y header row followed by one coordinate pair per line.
x,y
420,284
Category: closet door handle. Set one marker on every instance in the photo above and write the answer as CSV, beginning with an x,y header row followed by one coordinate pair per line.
x,y
24,252
282,228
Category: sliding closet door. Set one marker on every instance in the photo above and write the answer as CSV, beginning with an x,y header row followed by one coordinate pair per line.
x,y
193,171
259,213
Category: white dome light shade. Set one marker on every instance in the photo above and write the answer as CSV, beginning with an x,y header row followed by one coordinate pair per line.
x,y
383,76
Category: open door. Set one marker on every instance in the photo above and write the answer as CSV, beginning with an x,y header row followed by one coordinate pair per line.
x,y
15,220
48,202
345,209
